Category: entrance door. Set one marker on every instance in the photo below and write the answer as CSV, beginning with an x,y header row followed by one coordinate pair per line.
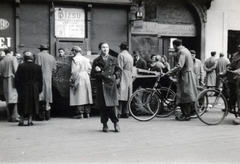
x,y
7,26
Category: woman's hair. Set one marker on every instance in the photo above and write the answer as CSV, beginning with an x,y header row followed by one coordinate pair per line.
x,y
100,45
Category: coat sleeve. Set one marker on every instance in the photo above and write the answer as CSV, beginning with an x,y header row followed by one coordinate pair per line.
x,y
39,79
94,73
17,79
117,71
179,65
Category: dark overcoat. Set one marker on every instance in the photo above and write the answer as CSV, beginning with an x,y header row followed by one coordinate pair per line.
x,y
28,82
106,80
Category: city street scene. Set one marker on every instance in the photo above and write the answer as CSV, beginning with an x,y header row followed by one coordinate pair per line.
x,y
119,81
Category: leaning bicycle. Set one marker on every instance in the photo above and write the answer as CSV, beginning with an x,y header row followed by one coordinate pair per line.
x,y
212,105
146,103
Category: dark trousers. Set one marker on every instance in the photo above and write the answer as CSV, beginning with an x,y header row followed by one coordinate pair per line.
x,y
187,108
42,109
108,112
122,108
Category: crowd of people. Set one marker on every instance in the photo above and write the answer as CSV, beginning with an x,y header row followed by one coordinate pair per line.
x,y
27,84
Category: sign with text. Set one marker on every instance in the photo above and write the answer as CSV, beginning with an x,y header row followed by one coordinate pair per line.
x,y
69,22
165,29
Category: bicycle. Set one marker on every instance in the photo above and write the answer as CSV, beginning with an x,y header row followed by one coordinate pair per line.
x,y
212,105
146,103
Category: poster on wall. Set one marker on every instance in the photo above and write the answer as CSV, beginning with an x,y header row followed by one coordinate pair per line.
x,y
69,22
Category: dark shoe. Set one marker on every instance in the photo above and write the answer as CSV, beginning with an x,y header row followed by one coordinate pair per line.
x,y
179,117
126,115
20,124
78,116
116,127
186,118
47,115
105,128
30,124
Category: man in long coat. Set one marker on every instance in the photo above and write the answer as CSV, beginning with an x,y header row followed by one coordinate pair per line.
x,y
48,65
80,85
8,68
125,62
221,67
186,83
210,67
106,70
198,69
28,82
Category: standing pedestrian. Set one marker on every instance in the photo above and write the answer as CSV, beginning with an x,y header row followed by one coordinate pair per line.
x,y
8,68
61,52
198,68
210,67
221,67
80,85
234,83
28,83
48,65
106,70
186,84
125,62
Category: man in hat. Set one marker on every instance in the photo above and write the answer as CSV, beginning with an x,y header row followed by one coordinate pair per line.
x,y
186,82
198,68
125,62
80,85
139,62
8,68
28,82
48,65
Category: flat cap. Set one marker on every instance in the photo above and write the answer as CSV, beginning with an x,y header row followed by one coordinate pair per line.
x,y
76,48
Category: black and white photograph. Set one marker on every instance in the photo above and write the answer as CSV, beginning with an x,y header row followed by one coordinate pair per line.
x,y
119,81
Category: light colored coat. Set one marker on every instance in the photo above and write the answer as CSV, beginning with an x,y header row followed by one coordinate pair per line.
x,y
48,65
8,69
81,93
198,70
186,80
125,62
210,68
221,67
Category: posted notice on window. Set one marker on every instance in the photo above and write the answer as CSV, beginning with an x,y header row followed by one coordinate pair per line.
x,y
69,22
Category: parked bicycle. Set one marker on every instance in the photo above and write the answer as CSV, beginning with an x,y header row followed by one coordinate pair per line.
x,y
212,105
146,103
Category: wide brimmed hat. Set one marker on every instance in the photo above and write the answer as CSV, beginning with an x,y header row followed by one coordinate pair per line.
x,y
43,47
76,48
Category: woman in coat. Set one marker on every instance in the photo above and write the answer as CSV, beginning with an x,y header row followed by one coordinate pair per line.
x,y
106,70
28,83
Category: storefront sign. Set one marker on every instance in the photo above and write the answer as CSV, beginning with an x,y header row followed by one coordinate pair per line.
x,y
153,28
4,24
69,23
5,42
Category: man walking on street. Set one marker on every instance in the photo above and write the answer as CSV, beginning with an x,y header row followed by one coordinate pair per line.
x,y
8,68
48,65
186,84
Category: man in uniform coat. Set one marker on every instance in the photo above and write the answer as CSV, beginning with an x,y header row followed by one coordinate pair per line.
x,y
8,68
48,65
125,62
186,82
28,82
106,70
210,67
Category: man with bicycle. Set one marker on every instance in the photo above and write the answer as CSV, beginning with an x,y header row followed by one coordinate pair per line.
x,y
186,84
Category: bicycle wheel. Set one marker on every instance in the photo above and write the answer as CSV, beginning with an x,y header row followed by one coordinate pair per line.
x,y
210,106
143,104
167,106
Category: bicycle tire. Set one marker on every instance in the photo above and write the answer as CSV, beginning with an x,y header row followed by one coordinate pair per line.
x,y
143,105
167,108
209,106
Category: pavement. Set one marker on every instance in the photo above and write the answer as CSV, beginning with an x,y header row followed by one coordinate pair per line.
x,y
161,140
